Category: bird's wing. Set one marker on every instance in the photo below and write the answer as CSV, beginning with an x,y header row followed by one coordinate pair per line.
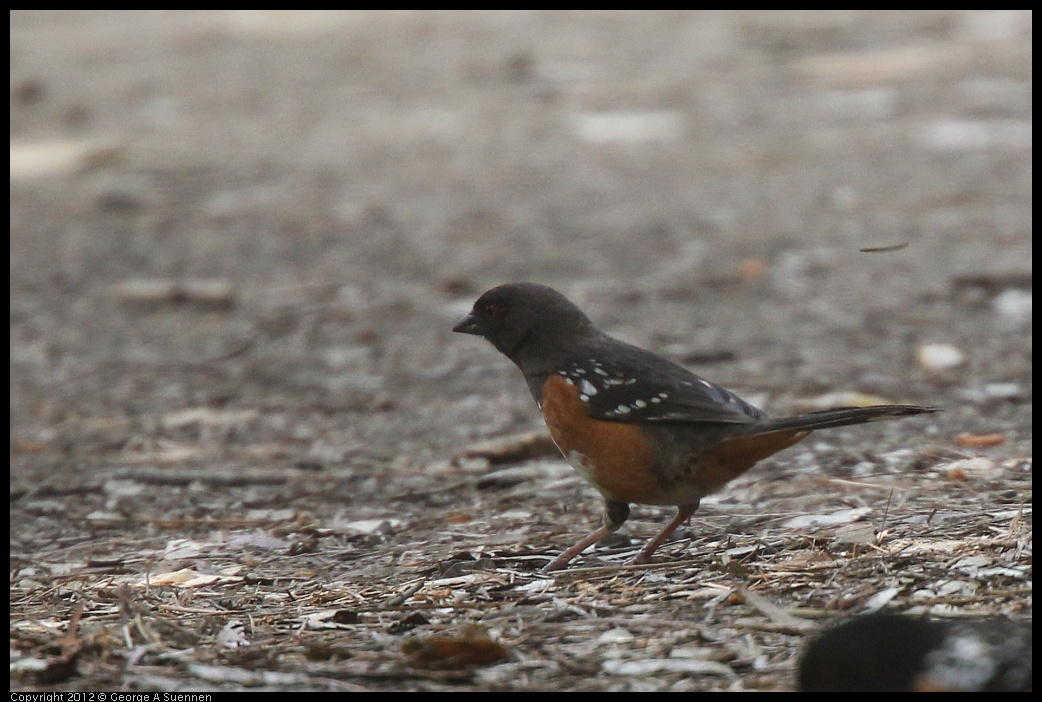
x,y
633,385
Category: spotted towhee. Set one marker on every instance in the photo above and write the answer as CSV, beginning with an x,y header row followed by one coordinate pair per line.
x,y
900,653
638,427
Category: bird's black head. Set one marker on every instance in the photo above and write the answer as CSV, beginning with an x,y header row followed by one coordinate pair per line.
x,y
525,321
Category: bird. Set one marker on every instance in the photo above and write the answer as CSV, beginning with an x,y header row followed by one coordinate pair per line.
x,y
638,427
891,652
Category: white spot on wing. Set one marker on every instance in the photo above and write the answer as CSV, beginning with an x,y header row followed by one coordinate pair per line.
x,y
587,387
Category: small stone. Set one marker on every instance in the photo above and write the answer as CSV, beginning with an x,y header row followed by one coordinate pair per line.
x,y
937,358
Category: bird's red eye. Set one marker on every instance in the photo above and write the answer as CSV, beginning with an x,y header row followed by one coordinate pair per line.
x,y
493,311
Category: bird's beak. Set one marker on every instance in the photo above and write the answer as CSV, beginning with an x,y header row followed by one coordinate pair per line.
x,y
469,325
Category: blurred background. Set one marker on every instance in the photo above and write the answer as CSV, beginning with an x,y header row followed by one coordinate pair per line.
x,y
332,189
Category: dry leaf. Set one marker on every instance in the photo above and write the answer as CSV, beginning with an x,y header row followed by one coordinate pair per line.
x,y
473,648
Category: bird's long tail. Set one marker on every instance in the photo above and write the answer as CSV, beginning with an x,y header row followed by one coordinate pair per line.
x,y
844,416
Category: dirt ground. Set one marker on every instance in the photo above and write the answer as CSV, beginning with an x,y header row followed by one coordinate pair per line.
x,y
247,451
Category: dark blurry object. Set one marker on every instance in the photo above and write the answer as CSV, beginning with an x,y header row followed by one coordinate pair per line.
x,y
520,67
893,652
30,91
883,249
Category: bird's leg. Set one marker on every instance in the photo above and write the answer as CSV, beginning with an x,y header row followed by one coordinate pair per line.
x,y
615,514
684,513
